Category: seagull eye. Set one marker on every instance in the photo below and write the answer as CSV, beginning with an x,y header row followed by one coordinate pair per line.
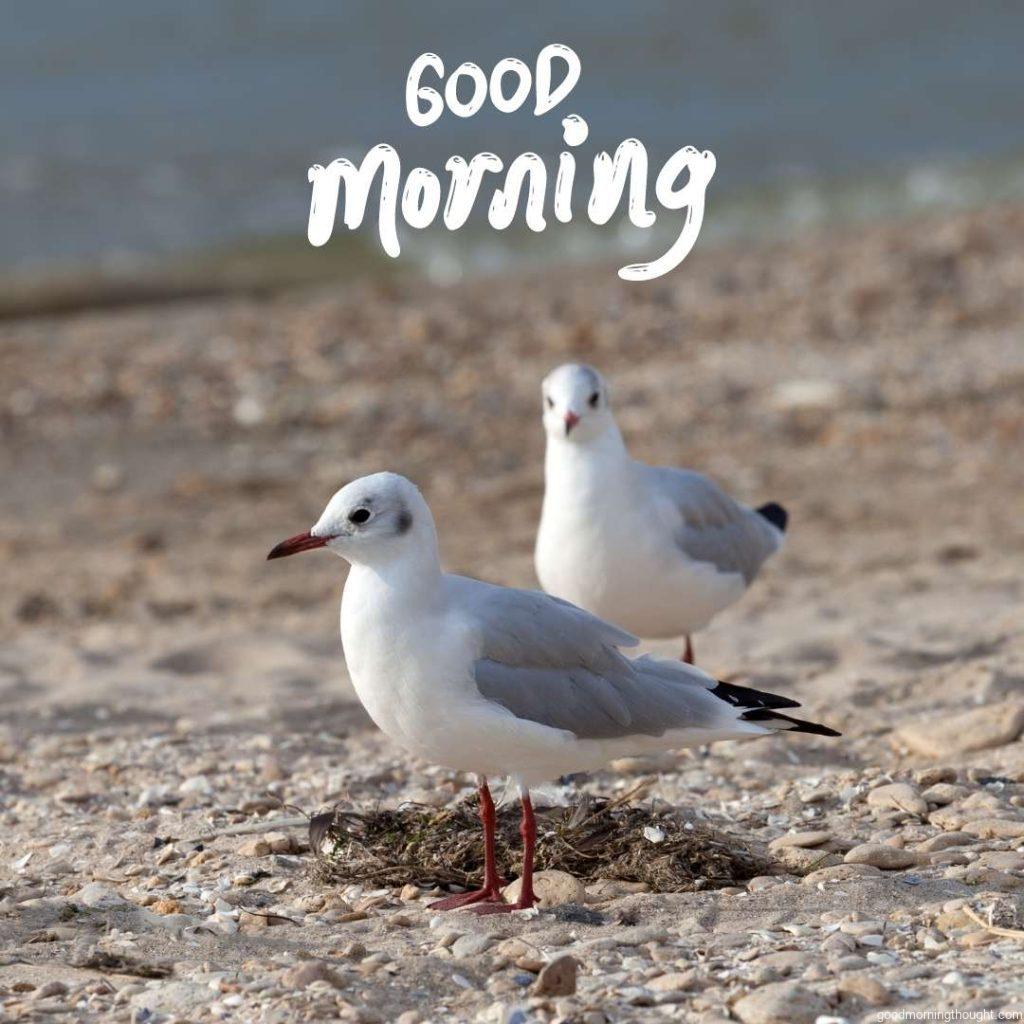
x,y
359,516
594,399
550,401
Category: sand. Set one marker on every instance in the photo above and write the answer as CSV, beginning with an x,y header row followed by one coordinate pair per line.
x,y
162,683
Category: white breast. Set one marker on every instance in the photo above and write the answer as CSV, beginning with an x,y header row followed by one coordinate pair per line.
x,y
406,668
608,544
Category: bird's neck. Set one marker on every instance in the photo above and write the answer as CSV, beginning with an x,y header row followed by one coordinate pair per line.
x,y
598,460
410,574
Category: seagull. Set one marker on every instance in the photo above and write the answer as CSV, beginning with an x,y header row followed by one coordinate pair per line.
x,y
658,551
501,682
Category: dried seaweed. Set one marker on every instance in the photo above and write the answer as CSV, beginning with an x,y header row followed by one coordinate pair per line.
x,y
598,840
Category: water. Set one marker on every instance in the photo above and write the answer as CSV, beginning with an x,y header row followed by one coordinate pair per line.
x,y
169,126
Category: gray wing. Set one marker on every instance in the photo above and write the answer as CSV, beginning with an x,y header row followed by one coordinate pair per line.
x,y
549,662
715,528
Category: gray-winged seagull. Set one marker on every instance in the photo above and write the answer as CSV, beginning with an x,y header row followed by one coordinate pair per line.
x,y
658,551
496,681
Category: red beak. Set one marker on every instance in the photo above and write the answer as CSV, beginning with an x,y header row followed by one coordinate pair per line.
x,y
571,419
300,542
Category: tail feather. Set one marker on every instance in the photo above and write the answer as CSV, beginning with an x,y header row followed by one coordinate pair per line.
x,y
775,514
783,723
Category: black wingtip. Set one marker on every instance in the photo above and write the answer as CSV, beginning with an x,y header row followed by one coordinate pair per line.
x,y
747,697
768,716
775,514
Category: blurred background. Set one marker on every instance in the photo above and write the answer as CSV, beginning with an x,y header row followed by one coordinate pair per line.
x,y
184,380
185,129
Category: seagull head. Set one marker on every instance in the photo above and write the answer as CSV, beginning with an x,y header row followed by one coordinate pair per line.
x,y
575,403
368,521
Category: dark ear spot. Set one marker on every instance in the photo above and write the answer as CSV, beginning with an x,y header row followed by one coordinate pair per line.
x,y
404,521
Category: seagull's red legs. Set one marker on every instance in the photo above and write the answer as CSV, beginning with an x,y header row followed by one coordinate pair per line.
x,y
491,891
688,651
527,897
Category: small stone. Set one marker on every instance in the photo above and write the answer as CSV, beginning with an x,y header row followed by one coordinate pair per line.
x,y
800,861
470,945
677,981
558,978
993,878
166,906
50,989
553,889
839,944
611,888
801,839
952,917
303,975
995,828
761,882
898,796
850,962
993,725
197,784
943,793
945,840
409,893
934,774
279,842
255,848
862,986
100,897
783,1002
878,855
786,961
840,873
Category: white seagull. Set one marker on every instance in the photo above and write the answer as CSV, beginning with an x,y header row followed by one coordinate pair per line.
x,y
496,681
658,551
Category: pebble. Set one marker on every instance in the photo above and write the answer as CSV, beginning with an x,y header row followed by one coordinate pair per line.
x,y
470,945
196,784
943,793
879,855
945,840
50,989
553,889
898,796
866,988
677,981
993,725
935,774
255,848
305,974
558,978
840,873
165,906
98,896
802,839
995,828
800,860
761,882
783,1002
